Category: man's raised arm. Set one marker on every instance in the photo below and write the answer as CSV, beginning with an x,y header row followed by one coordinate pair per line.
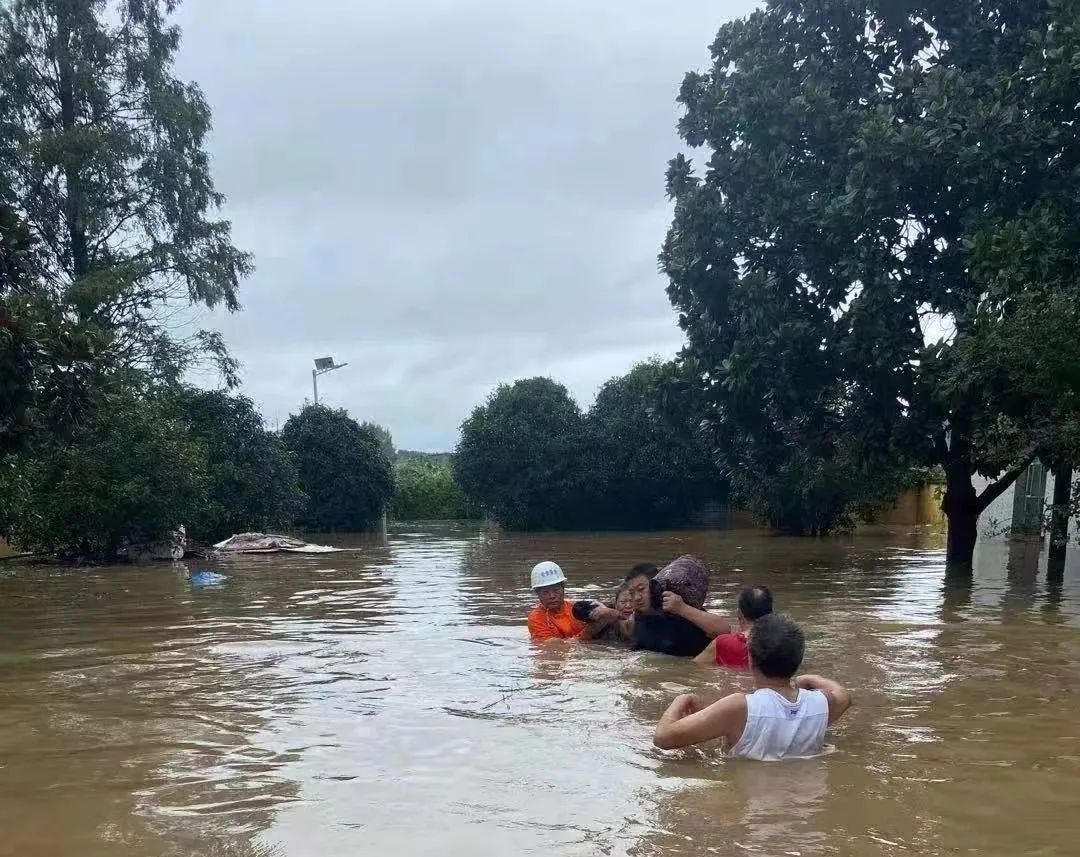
x,y
711,623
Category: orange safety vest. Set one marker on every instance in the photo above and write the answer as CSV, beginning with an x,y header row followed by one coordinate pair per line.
x,y
545,625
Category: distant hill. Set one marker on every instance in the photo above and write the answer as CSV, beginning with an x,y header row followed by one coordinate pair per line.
x,y
433,457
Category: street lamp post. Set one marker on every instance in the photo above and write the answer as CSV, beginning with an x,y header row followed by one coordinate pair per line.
x,y
322,366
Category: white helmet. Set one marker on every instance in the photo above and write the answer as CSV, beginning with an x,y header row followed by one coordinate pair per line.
x,y
547,573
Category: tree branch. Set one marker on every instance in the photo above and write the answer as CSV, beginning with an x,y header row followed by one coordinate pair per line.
x,y
121,221
998,487
941,448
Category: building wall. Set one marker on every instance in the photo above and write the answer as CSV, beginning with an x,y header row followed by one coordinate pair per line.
x,y
996,521
918,508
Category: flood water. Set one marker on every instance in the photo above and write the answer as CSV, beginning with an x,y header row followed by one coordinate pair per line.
x,y
387,700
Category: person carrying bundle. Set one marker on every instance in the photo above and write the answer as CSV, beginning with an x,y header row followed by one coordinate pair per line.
x,y
658,631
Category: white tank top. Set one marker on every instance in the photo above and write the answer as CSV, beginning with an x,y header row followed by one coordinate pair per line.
x,y
777,729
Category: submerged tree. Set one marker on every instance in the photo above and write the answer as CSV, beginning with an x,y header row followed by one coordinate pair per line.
x,y
343,469
638,459
251,477
129,472
877,268
102,159
141,461
520,456
653,465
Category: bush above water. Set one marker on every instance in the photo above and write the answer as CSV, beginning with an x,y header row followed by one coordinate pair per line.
x,y
425,490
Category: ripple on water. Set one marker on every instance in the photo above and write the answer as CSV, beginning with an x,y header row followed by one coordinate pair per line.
x,y
387,698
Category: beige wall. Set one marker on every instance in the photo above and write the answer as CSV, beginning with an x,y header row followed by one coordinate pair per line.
x,y
918,508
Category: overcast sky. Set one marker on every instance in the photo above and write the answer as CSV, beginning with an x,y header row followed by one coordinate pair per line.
x,y
447,194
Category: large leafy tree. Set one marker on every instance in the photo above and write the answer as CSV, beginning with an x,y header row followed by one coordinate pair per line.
x,y
654,465
386,440
48,363
343,467
102,158
877,266
128,472
520,456
252,479
141,461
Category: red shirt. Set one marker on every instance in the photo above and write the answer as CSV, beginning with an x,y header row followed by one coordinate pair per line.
x,y
732,651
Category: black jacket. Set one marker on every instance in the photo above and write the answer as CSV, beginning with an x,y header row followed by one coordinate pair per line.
x,y
670,635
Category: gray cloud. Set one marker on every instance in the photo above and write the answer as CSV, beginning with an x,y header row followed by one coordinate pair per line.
x,y
448,195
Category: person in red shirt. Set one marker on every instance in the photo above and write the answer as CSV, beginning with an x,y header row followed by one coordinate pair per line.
x,y
729,647
553,618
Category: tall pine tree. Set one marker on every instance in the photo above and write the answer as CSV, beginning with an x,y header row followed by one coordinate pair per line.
x,y
102,158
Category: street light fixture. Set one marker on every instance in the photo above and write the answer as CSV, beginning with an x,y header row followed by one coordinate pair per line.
x,y
322,366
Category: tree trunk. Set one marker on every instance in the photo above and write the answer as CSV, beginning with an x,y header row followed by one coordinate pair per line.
x,y
1059,514
73,204
961,506
963,531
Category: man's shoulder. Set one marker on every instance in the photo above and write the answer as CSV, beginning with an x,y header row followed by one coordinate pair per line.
x,y
736,700
815,699
730,712
540,628
735,708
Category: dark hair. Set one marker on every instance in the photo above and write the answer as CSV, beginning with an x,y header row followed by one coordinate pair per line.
x,y
642,569
776,646
583,609
755,602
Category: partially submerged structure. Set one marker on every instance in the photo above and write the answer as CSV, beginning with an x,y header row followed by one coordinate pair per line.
x,y
267,543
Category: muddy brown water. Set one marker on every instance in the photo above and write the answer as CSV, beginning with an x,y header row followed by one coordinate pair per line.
x,y
386,700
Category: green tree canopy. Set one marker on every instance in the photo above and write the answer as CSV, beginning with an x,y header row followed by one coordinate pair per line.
x,y
874,168
520,456
20,331
343,469
638,459
130,471
653,463
386,440
102,158
140,462
252,479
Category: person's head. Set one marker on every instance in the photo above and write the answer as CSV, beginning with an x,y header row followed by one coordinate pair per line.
x,y
624,601
637,583
776,646
754,602
549,584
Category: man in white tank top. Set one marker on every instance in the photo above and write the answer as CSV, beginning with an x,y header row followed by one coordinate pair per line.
x,y
784,718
